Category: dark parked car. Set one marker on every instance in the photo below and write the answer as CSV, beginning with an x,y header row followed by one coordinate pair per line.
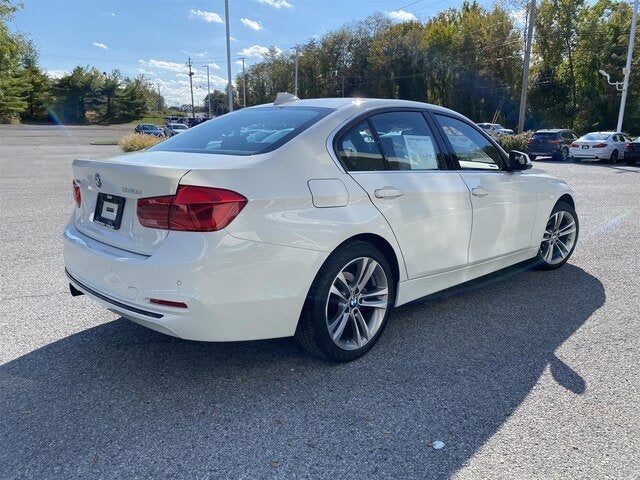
x,y
632,152
149,129
551,142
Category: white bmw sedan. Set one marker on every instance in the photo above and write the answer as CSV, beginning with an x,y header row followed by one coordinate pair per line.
x,y
599,146
307,218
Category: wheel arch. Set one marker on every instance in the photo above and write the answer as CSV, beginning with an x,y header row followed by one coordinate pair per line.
x,y
385,248
566,198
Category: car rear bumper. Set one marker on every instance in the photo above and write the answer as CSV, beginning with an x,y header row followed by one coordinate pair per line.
x,y
233,289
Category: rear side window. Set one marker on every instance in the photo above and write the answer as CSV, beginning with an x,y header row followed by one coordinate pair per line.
x,y
389,141
246,132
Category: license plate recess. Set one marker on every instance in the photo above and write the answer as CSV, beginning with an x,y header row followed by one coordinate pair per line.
x,y
109,210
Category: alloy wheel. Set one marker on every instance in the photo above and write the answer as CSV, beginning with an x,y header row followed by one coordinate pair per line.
x,y
357,303
559,237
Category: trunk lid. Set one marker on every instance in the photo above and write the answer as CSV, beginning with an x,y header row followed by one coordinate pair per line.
x,y
110,190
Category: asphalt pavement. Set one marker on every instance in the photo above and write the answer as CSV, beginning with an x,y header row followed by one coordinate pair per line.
x,y
521,375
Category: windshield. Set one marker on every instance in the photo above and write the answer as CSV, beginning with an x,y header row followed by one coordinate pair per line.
x,y
246,132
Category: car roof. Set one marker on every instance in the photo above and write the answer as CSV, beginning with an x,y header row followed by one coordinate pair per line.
x,y
358,104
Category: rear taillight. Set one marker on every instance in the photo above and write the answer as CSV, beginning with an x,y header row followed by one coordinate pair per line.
x,y
627,146
193,209
600,145
572,145
530,141
77,195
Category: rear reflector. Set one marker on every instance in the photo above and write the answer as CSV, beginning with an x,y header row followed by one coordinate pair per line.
x,y
192,209
168,303
77,195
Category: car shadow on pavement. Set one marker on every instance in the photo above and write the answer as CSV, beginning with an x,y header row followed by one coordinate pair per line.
x,y
121,401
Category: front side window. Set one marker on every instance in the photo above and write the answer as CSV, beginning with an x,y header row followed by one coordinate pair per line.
x,y
470,147
246,132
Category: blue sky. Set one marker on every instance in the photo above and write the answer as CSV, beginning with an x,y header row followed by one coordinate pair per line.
x,y
156,37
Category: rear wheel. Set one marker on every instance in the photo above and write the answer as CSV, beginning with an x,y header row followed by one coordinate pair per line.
x,y
532,157
614,156
560,237
562,155
348,304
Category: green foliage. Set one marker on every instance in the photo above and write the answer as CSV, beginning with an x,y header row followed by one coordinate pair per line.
x,y
137,141
219,102
13,85
515,142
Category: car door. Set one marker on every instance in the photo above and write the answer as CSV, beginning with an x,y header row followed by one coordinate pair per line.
x,y
504,203
396,159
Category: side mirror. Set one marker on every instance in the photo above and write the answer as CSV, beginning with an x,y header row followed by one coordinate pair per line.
x,y
518,161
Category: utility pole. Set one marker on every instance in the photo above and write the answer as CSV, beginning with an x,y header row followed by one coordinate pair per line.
x,y
295,87
159,99
229,87
244,86
525,69
627,69
208,91
193,110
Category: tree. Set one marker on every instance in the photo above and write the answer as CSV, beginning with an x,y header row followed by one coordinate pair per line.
x,y
77,93
219,101
13,85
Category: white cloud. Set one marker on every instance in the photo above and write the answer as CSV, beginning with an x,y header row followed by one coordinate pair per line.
x,y
162,65
209,17
195,54
252,24
112,14
100,45
256,51
55,74
276,3
215,66
402,16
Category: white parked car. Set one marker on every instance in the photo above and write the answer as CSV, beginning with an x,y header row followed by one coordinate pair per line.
x,y
495,129
355,207
599,146
172,129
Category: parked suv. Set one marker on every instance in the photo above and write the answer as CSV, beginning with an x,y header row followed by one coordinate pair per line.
x,y
550,142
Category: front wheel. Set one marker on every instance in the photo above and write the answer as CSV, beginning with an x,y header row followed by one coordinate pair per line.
x,y
560,237
348,304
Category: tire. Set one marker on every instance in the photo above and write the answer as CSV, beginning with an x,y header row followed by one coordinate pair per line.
x,y
559,238
532,157
348,304
562,155
614,156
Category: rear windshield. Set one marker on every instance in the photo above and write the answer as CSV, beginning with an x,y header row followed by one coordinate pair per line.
x,y
596,136
245,132
544,135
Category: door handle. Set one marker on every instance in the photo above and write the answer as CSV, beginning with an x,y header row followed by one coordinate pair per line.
x,y
479,192
388,192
